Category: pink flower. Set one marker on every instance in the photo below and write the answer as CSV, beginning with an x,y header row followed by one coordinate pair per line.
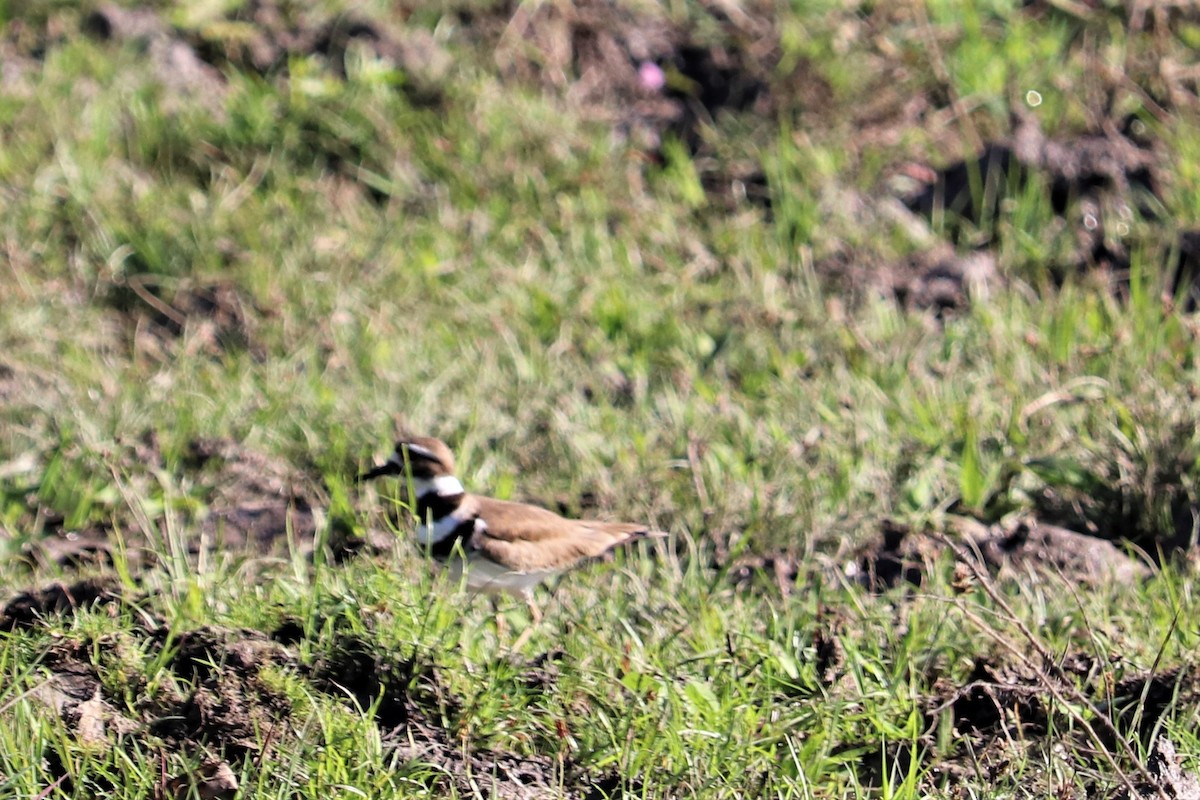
x,y
651,76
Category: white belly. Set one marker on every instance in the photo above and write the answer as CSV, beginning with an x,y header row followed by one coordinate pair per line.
x,y
489,577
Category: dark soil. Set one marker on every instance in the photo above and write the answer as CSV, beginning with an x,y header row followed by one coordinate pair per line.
x,y
227,709
224,709
1005,714
214,319
88,547
398,691
652,78
999,707
1096,184
31,607
1144,498
540,673
1166,777
255,498
252,503
182,74
1026,549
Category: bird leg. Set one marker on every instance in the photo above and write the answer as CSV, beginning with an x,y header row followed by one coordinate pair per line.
x,y
535,615
501,624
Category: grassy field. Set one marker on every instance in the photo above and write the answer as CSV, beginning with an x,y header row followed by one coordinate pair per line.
x,y
884,313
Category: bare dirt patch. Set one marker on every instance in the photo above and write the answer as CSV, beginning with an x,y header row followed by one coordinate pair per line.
x,y
90,546
939,278
255,500
608,58
249,502
507,775
540,674
1097,183
1025,549
413,707
216,702
651,77
264,35
1002,712
1098,186
399,691
173,62
1048,724
1143,494
226,707
31,607
212,319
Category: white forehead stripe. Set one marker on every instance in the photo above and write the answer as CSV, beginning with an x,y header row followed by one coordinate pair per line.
x,y
423,452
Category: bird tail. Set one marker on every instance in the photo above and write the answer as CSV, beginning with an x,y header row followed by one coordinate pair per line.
x,y
624,532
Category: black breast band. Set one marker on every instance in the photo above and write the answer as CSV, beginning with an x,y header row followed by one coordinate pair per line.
x,y
444,548
432,506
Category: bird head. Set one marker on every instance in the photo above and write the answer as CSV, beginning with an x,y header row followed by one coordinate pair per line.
x,y
427,458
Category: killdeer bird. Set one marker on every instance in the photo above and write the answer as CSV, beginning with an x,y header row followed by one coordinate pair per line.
x,y
495,545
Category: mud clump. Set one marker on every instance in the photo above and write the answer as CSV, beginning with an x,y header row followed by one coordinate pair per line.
x,y
250,503
651,77
896,556
397,691
409,702
1025,548
90,546
32,607
540,674
212,319
507,775
781,568
204,652
1096,183
227,709
1167,778
73,692
256,500
999,701
214,702
944,280
262,36
1001,713
172,61
1033,548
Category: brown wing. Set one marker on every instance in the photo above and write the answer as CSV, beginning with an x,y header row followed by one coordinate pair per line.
x,y
526,538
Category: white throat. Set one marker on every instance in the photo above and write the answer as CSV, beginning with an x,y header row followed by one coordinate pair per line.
x,y
442,486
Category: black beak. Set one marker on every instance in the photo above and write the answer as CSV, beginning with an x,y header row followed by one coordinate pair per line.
x,y
391,467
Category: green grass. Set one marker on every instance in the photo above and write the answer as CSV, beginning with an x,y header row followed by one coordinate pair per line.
x,y
586,324
689,686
